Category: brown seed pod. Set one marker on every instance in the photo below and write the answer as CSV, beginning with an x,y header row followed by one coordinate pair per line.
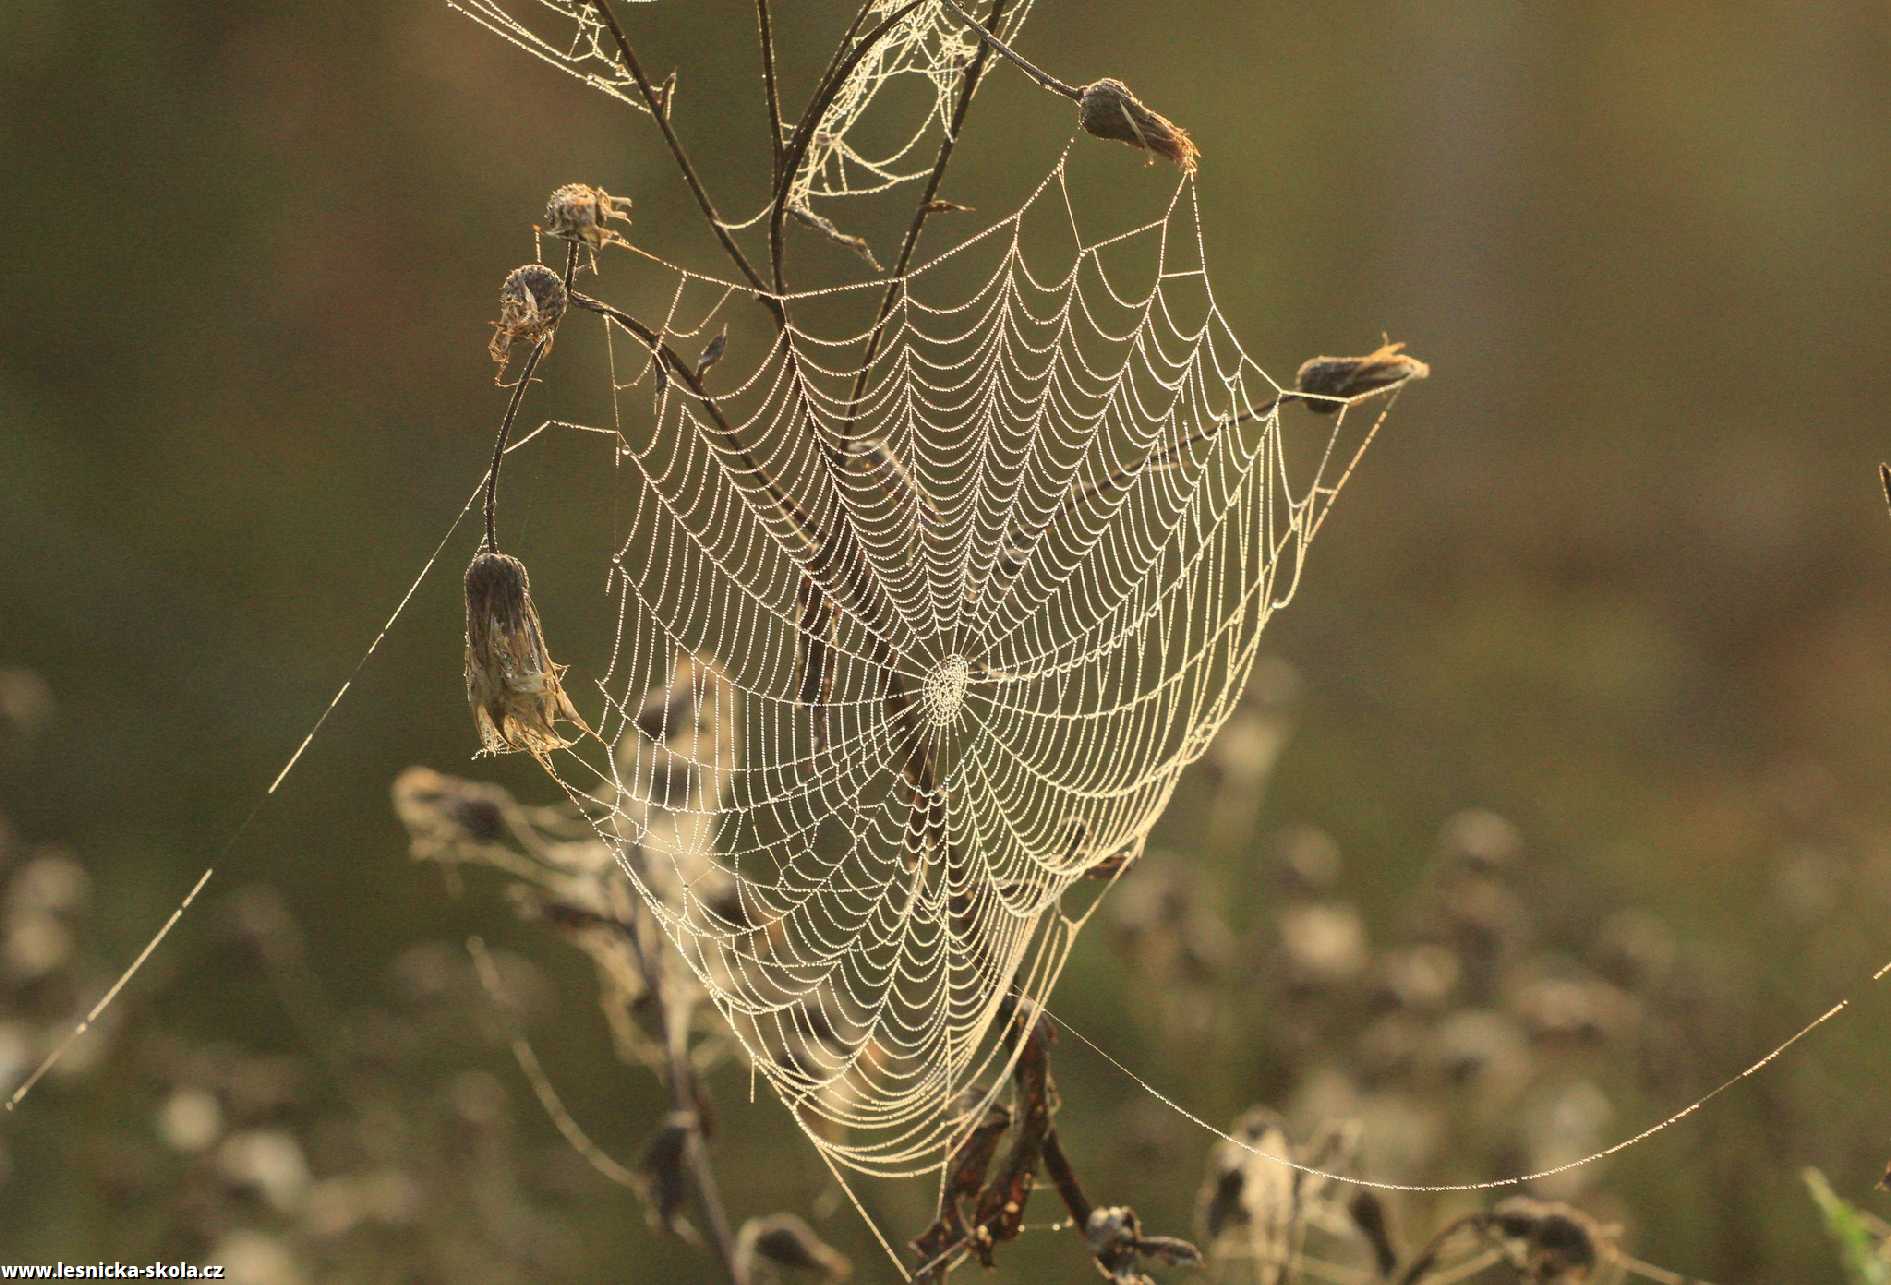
x,y
512,683
1335,379
531,303
580,212
1108,110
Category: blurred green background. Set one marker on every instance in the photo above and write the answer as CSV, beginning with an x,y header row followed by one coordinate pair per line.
x,y
1620,571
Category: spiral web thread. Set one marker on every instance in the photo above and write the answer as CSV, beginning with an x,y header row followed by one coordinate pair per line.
x,y
924,53
895,674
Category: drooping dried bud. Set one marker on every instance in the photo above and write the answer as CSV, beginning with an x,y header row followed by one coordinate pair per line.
x,y
531,302
1108,110
786,1241
580,212
1325,383
512,683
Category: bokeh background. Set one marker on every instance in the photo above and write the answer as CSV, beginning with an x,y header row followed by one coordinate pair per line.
x,y
1619,574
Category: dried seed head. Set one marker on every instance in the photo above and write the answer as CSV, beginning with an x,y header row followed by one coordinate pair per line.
x,y
512,683
579,212
531,302
1108,110
1337,379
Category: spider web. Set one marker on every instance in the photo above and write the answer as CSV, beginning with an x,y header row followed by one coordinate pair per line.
x,y
925,52
916,628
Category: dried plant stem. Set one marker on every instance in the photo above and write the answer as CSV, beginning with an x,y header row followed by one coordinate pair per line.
x,y
681,1080
973,70
534,1072
771,89
810,123
1427,1258
683,163
1044,79
491,499
1064,1178
805,529
505,433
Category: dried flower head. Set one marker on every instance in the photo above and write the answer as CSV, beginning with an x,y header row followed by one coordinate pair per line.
x,y
1333,380
512,683
1108,110
580,212
531,302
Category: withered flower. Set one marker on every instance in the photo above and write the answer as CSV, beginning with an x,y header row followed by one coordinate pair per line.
x,y
512,683
1108,110
531,302
1326,382
580,212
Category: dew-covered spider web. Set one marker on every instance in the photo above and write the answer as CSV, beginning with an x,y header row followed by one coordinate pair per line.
x,y
916,628
921,59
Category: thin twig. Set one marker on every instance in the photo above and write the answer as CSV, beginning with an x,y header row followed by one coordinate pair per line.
x,y
534,1072
1073,92
772,90
505,433
799,518
1064,1178
512,412
1427,1258
683,1100
810,123
690,177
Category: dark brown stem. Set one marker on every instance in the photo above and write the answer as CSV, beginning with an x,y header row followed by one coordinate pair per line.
x,y
512,413
810,123
683,162
1073,92
770,88
505,432
681,370
1064,1178
973,70
1427,1258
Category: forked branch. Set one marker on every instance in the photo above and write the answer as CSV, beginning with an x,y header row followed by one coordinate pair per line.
x,y
657,107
